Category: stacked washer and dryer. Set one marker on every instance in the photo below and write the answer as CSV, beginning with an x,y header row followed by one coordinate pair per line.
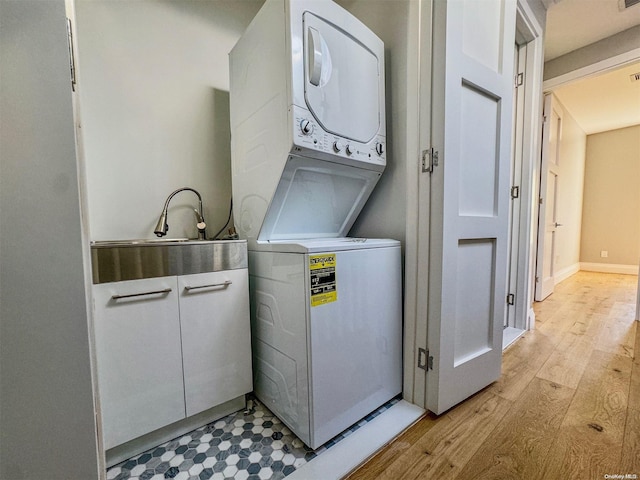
x,y
308,147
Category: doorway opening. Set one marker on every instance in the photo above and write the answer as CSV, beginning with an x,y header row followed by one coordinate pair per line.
x,y
589,216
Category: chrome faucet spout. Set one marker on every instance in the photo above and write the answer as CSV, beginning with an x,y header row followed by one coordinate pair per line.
x,y
162,226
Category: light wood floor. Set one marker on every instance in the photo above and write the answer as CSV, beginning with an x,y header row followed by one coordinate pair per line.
x,y
566,407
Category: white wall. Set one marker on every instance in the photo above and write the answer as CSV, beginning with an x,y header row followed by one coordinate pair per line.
x,y
153,81
570,193
384,215
47,428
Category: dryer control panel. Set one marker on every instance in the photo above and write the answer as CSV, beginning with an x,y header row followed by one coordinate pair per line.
x,y
309,134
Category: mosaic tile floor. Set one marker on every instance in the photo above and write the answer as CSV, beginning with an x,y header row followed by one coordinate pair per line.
x,y
248,445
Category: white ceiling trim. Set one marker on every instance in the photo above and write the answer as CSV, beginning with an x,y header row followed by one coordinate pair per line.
x,y
597,68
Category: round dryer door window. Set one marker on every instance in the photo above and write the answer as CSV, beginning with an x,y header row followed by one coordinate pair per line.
x,y
342,81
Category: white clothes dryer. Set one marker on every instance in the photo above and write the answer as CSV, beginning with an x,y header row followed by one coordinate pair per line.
x,y
307,98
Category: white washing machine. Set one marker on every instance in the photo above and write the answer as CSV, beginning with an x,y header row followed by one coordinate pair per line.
x,y
326,331
308,147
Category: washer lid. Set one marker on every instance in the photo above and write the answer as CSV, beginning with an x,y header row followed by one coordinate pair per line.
x,y
342,80
316,199
319,245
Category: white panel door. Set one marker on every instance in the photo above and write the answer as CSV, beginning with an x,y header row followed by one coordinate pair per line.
x,y
547,215
472,116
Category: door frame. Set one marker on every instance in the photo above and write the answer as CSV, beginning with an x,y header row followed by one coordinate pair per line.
x,y
418,186
519,65
532,32
528,35
418,192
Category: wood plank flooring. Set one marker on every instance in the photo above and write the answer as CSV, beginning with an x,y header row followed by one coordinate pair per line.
x,y
567,405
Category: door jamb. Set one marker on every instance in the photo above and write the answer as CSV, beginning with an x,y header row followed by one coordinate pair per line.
x,y
417,229
528,25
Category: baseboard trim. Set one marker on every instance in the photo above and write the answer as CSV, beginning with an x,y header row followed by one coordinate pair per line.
x,y
566,273
609,268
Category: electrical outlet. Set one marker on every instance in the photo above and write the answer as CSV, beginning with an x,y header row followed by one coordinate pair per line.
x,y
604,254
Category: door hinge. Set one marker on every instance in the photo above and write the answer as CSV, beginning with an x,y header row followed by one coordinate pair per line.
x,y
515,191
519,80
537,279
425,361
511,299
539,200
72,57
429,160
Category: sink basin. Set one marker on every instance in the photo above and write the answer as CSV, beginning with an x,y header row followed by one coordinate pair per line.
x,y
119,260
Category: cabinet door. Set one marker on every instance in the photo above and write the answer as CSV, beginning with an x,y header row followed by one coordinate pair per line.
x,y
137,335
216,338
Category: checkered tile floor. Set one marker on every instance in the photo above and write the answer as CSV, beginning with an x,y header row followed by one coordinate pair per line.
x,y
248,445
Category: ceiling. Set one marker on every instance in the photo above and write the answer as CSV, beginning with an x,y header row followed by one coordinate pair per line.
x,y
604,102
572,24
607,101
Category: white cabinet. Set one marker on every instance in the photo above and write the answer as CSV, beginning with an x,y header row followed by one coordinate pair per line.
x,y
139,360
216,339
168,348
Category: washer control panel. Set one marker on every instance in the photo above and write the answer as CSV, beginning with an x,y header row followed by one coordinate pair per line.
x,y
308,134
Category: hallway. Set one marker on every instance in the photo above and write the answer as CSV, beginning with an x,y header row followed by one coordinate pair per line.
x,y
567,405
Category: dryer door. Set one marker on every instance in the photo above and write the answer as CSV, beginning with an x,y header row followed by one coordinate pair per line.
x,y
343,83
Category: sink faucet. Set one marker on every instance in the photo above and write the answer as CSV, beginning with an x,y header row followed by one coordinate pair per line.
x,y
162,226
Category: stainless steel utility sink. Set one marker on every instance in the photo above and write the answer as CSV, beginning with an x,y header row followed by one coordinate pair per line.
x,y
119,260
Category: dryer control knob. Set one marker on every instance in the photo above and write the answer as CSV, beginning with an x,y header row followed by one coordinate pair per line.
x,y
338,146
306,127
379,148
350,150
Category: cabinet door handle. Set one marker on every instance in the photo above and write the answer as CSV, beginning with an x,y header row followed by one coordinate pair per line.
x,y
226,283
130,295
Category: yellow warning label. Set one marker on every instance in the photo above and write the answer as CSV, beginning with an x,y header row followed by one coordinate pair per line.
x,y
322,270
